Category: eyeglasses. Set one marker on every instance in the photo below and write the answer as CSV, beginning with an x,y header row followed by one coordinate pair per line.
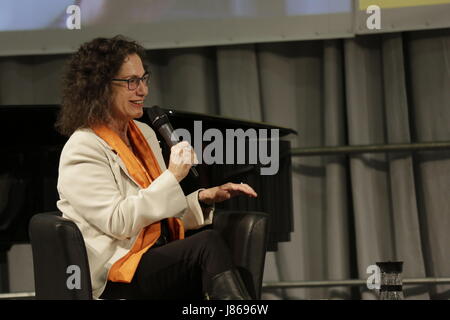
x,y
134,82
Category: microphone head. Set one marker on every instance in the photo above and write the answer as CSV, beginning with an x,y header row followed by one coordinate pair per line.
x,y
157,116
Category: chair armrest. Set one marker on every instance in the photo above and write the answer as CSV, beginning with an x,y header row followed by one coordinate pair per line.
x,y
246,235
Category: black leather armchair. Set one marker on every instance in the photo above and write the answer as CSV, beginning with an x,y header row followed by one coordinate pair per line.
x,y
57,243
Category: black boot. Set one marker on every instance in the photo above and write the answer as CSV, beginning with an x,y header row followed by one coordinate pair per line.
x,y
227,285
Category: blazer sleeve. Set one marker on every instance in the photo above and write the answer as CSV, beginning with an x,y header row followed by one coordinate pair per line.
x,y
193,216
86,181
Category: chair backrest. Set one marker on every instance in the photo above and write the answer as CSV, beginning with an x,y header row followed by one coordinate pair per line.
x,y
246,233
61,269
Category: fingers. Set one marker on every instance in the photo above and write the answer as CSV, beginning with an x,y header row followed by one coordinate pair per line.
x,y
182,157
247,189
227,191
244,188
183,154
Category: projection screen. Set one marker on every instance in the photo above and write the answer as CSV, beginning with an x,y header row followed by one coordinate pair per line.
x,y
36,27
41,26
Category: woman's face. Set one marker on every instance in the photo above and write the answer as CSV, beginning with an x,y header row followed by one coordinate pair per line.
x,y
128,104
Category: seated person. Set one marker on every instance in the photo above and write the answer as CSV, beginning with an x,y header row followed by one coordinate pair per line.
x,y
130,208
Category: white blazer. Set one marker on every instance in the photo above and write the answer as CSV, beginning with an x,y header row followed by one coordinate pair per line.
x,y
109,207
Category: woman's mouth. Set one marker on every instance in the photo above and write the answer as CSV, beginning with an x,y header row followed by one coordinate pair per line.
x,y
137,103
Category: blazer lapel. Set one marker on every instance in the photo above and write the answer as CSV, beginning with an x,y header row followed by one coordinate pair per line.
x,y
153,145
122,166
115,157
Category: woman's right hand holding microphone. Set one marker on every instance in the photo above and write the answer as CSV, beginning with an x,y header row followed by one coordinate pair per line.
x,y
182,157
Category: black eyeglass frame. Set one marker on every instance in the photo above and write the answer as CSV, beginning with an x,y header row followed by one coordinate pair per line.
x,y
128,81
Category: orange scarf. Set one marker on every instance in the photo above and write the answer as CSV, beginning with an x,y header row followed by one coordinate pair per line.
x,y
143,167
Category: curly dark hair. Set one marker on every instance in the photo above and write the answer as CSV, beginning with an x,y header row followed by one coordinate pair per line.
x,y
86,93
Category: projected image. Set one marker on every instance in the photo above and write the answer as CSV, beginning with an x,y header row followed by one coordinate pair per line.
x,y
18,15
60,26
30,14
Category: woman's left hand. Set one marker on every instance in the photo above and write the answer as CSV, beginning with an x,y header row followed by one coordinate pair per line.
x,y
225,192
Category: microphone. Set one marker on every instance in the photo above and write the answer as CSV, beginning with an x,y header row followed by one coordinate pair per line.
x,y
160,121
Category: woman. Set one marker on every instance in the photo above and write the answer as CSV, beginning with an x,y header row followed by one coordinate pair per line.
x,y
114,185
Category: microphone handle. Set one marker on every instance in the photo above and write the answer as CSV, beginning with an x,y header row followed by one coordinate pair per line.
x,y
169,134
194,172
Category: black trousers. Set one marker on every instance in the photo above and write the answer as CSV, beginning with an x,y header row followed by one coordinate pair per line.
x,y
178,270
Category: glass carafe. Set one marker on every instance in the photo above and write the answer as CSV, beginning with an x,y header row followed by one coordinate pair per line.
x,y
391,286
